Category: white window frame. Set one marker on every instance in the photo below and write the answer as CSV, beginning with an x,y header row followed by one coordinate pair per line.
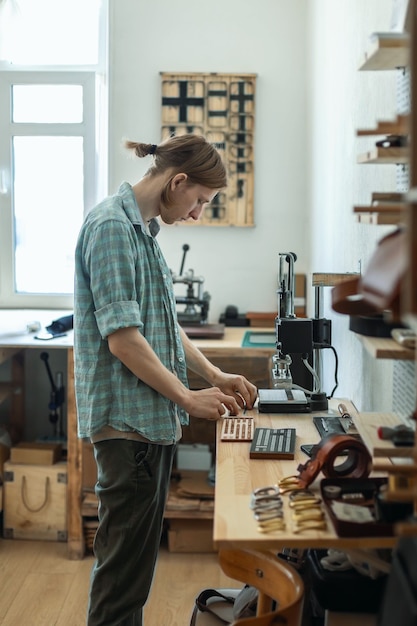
x,y
93,129
8,129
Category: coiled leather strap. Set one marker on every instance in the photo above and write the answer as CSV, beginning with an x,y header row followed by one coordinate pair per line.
x,y
358,462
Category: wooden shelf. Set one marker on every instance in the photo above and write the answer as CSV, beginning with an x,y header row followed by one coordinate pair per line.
x,y
400,126
385,348
330,280
188,514
367,425
385,156
380,213
387,52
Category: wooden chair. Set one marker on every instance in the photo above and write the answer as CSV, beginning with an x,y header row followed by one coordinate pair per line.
x,y
273,578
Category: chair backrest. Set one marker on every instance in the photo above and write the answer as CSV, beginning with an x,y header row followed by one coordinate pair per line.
x,y
275,580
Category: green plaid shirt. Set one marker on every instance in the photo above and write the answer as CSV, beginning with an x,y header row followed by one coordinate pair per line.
x,y
122,280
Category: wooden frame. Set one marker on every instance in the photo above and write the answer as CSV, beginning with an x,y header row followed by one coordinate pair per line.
x,y
222,108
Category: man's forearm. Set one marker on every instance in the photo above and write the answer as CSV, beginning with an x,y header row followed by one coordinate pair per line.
x,y
130,347
196,361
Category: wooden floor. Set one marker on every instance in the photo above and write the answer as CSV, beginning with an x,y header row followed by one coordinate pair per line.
x,y
39,586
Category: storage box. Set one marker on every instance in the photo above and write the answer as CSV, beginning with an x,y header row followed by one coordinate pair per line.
x,y
193,456
36,453
190,535
35,501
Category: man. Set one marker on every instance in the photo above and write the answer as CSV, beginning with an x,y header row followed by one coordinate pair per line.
x,y
131,359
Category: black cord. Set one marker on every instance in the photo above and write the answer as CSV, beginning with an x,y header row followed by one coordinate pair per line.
x,y
336,369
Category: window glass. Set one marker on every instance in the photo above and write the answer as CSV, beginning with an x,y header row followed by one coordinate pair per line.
x,y
48,212
31,29
47,103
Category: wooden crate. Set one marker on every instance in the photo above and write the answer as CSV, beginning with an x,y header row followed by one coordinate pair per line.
x,y
35,501
36,453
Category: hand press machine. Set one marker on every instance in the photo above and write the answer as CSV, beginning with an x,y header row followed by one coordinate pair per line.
x,y
297,339
191,314
194,317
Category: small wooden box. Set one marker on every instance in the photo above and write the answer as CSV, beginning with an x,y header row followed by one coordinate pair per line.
x,y
35,501
36,453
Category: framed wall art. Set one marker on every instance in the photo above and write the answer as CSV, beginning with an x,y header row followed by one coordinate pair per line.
x,y
222,108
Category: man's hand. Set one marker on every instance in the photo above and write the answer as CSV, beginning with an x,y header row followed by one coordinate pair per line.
x,y
238,387
210,404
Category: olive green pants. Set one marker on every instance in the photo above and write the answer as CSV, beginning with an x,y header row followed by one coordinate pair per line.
x,y
132,487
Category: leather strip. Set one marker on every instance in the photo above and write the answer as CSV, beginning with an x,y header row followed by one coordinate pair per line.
x,y
358,461
379,288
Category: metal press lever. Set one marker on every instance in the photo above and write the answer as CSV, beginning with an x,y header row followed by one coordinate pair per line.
x,y
286,281
185,247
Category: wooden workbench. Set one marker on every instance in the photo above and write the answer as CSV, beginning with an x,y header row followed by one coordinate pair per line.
x,y
14,341
237,476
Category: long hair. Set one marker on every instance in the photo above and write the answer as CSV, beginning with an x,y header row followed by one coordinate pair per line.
x,y
190,154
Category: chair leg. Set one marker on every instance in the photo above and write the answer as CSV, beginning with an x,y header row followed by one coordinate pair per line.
x,y
264,604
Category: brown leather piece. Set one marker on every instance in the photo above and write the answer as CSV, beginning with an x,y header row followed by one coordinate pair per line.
x,y
379,288
358,463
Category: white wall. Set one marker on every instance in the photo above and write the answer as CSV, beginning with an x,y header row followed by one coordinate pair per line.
x,y
266,37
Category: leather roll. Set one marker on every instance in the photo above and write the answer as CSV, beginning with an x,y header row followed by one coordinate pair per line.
x,y
358,462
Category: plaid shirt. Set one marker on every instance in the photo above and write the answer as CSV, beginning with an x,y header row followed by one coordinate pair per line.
x,y
122,280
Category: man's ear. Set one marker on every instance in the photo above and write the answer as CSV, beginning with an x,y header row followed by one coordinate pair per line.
x,y
178,180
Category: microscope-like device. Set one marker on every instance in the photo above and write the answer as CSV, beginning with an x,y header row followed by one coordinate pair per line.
x,y
298,341
196,304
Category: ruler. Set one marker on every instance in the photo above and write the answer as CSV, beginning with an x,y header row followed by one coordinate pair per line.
x,y
237,429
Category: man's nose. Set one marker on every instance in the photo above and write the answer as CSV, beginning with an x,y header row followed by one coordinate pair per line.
x,y
196,213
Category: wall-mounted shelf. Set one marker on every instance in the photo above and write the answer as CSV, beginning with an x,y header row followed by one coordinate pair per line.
x,y
385,348
400,126
388,51
380,213
393,156
368,424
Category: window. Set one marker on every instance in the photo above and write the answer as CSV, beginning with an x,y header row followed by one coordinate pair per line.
x,y
49,168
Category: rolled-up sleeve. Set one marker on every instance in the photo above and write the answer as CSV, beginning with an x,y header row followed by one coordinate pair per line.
x,y
118,315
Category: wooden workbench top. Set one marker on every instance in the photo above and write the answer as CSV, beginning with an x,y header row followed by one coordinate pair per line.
x,y
237,476
14,334
232,341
